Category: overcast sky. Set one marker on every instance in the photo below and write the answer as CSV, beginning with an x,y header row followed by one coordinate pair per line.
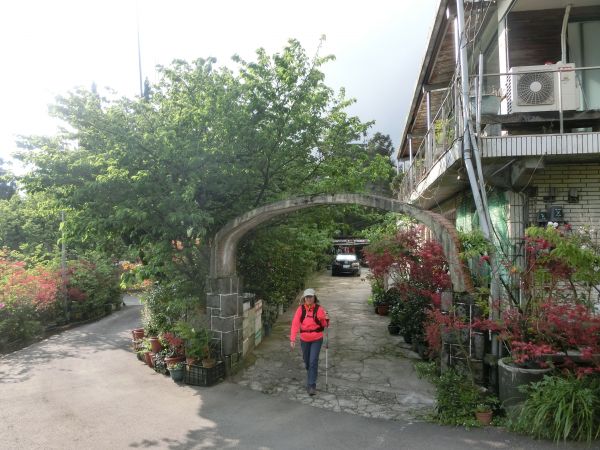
x,y
49,47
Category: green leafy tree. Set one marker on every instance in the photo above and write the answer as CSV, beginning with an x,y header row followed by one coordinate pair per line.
x,y
7,184
160,175
380,144
30,224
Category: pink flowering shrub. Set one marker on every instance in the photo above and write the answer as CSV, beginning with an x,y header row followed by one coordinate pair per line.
x,y
28,297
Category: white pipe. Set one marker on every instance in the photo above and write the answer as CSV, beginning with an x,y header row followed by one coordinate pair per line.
x,y
410,151
563,35
479,95
464,78
429,124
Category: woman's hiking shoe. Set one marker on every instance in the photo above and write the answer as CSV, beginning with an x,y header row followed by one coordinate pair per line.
x,y
311,390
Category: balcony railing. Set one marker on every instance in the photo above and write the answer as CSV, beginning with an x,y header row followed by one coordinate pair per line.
x,y
446,127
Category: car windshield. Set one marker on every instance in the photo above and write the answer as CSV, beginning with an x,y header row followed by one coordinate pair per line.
x,y
349,258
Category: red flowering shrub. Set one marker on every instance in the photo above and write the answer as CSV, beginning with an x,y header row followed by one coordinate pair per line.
x,y
555,320
418,270
29,296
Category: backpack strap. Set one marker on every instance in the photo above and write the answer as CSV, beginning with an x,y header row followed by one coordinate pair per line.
x,y
315,318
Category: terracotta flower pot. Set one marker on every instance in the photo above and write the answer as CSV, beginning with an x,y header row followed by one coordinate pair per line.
x,y
149,358
189,360
138,333
209,362
484,417
383,310
155,343
171,360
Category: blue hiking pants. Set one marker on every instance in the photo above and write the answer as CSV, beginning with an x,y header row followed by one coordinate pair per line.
x,y
310,354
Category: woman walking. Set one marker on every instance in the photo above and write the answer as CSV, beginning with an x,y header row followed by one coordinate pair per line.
x,y
310,319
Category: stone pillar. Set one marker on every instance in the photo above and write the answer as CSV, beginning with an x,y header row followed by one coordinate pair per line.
x,y
224,307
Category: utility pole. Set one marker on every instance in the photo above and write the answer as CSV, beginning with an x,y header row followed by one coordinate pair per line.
x,y
137,19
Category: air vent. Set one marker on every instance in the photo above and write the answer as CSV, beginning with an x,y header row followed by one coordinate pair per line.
x,y
535,89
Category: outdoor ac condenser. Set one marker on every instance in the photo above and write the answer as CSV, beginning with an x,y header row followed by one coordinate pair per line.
x,y
535,88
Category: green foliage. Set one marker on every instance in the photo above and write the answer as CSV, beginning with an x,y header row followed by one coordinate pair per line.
x,y
31,225
427,370
380,144
410,314
197,340
377,296
487,403
474,244
379,149
387,226
96,278
164,306
158,176
7,183
396,183
18,322
561,408
579,251
456,399
275,261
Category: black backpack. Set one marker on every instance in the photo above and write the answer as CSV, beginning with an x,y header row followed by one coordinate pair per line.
x,y
317,321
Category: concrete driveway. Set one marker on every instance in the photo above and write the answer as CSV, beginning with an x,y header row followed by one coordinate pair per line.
x,y
84,389
369,372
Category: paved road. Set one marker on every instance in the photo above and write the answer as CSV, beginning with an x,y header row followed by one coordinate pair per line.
x,y
84,389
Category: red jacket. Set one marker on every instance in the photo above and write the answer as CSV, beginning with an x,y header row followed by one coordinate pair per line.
x,y
307,327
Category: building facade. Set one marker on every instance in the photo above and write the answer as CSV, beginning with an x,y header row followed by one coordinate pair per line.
x,y
514,132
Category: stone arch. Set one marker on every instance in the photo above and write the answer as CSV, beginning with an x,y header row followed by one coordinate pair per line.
x,y
224,246
225,305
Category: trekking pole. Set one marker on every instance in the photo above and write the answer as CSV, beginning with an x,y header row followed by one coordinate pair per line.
x,y
326,349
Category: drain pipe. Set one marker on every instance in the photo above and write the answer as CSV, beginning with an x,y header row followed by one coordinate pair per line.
x,y
464,77
477,188
563,35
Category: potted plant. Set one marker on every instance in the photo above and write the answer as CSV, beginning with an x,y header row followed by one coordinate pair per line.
x,y
146,350
176,370
554,324
138,333
484,410
197,343
160,365
204,339
394,325
174,346
484,414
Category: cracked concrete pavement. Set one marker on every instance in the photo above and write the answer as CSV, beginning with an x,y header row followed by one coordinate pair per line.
x,y
369,372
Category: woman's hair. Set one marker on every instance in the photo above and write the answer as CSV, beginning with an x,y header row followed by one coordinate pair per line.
x,y
302,300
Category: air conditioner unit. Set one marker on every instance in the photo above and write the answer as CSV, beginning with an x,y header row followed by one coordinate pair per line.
x,y
535,88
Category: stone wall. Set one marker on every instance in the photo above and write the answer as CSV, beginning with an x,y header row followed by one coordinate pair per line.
x,y
225,309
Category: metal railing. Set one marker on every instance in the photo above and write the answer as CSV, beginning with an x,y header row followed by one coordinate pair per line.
x,y
446,127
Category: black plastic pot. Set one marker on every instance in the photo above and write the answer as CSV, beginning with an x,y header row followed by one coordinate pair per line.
x,y
394,329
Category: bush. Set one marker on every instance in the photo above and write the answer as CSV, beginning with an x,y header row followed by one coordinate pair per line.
x,y
28,299
275,261
93,283
457,398
164,306
561,408
411,315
